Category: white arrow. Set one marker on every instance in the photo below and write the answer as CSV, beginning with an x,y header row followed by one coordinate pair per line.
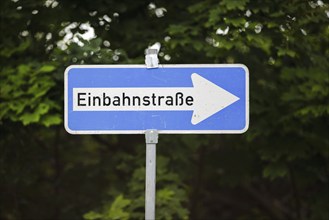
x,y
209,98
204,99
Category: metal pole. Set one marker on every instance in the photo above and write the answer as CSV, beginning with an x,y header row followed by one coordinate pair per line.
x,y
151,139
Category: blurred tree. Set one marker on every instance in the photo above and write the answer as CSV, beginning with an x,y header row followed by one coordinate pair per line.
x,y
278,170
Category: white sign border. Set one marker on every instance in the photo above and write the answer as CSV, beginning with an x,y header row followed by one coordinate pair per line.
x,y
159,131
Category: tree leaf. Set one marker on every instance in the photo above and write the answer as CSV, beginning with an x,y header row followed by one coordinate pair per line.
x,y
47,68
49,120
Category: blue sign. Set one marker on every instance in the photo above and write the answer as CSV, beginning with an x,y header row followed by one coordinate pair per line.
x,y
173,99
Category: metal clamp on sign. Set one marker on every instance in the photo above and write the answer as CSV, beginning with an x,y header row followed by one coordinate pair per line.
x,y
151,58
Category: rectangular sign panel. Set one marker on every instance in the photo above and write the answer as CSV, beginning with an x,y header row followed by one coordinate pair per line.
x,y
173,99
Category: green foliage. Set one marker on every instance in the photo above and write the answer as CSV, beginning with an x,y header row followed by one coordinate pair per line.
x,y
275,170
231,5
92,215
113,211
24,94
170,198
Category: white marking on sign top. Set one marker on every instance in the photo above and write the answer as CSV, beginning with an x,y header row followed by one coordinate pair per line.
x,y
157,99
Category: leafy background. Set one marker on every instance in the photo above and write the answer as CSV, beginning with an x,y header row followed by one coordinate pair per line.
x,y
278,169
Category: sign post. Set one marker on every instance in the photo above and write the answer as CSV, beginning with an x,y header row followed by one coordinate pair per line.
x,y
166,99
151,139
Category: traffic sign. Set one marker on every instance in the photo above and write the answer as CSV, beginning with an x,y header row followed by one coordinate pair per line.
x,y
176,99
